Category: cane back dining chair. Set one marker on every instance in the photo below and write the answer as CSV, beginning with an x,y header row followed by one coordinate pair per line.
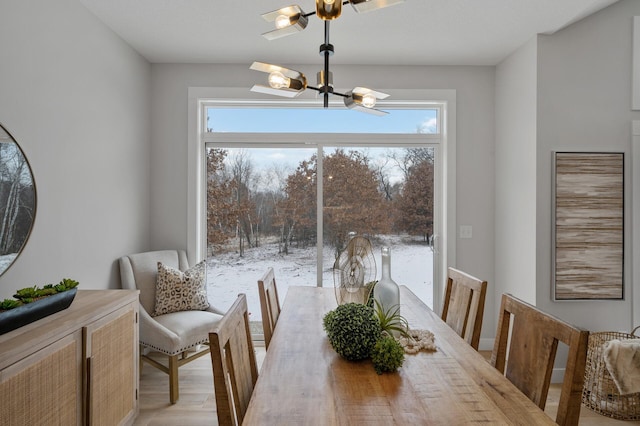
x,y
527,360
463,306
181,336
233,359
269,304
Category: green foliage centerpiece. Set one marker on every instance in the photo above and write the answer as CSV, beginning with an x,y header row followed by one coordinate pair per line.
x,y
353,329
387,355
357,331
31,294
33,303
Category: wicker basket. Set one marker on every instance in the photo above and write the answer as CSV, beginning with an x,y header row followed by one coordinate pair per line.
x,y
600,392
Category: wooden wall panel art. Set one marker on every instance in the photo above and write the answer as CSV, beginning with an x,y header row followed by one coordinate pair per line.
x,y
589,226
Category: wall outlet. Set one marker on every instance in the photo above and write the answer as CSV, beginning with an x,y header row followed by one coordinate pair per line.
x,y
466,231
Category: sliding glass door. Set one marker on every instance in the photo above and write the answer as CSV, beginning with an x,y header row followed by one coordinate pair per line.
x,y
291,200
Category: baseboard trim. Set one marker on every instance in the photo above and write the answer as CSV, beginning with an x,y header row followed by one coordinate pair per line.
x,y
486,344
557,376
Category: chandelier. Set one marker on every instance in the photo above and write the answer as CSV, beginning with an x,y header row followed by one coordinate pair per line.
x,y
290,83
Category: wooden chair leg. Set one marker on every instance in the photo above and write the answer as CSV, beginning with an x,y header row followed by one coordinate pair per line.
x,y
173,379
140,355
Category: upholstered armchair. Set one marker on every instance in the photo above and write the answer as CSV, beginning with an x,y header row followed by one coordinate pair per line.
x,y
182,336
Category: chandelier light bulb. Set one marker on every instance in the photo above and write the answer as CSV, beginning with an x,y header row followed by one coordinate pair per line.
x,y
282,21
328,10
277,80
368,100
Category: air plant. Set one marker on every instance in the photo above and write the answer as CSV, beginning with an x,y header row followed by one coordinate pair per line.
x,y
391,322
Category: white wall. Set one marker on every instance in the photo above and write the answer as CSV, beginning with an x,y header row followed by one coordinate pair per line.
x,y
106,135
515,175
475,133
76,98
584,98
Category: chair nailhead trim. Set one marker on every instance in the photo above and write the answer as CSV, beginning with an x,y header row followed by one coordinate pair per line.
x,y
201,342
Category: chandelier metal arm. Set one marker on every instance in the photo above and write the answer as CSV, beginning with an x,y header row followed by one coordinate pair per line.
x,y
290,83
326,49
321,90
326,33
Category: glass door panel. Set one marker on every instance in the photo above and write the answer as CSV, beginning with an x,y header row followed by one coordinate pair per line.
x,y
385,194
260,214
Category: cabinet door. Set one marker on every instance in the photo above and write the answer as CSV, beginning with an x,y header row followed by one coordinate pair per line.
x,y
45,388
111,351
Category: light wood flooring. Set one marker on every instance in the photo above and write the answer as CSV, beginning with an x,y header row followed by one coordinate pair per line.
x,y
197,406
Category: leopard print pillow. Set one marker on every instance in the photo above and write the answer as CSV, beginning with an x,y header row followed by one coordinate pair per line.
x,y
181,291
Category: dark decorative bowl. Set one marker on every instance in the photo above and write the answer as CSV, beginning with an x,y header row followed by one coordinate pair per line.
x,y
26,314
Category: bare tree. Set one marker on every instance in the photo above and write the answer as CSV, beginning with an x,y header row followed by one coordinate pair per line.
x,y
411,157
384,180
17,204
277,176
242,171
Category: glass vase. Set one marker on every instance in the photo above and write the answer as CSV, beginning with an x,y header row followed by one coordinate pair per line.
x,y
386,292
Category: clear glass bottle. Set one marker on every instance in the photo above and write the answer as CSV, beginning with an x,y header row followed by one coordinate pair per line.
x,y
386,291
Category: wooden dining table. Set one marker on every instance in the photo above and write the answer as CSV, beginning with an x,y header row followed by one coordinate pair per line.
x,y
303,381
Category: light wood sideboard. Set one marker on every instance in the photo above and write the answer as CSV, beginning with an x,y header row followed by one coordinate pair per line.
x,y
75,367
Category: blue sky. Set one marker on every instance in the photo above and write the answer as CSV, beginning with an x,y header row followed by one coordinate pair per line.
x,y
307,120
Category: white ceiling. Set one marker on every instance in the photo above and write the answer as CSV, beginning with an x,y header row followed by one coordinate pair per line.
x,y
416,32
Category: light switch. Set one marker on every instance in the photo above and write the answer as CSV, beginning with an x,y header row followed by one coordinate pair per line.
x,y
466,231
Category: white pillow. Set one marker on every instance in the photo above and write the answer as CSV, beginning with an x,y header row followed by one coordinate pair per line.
x,y
181,291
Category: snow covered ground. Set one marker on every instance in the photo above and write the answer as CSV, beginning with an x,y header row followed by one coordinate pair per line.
x,y
229,274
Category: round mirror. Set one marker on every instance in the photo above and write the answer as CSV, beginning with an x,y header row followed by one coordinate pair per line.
x,y
17,199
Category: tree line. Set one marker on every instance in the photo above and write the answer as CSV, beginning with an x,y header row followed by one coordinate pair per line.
x,y
358,195
17,199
